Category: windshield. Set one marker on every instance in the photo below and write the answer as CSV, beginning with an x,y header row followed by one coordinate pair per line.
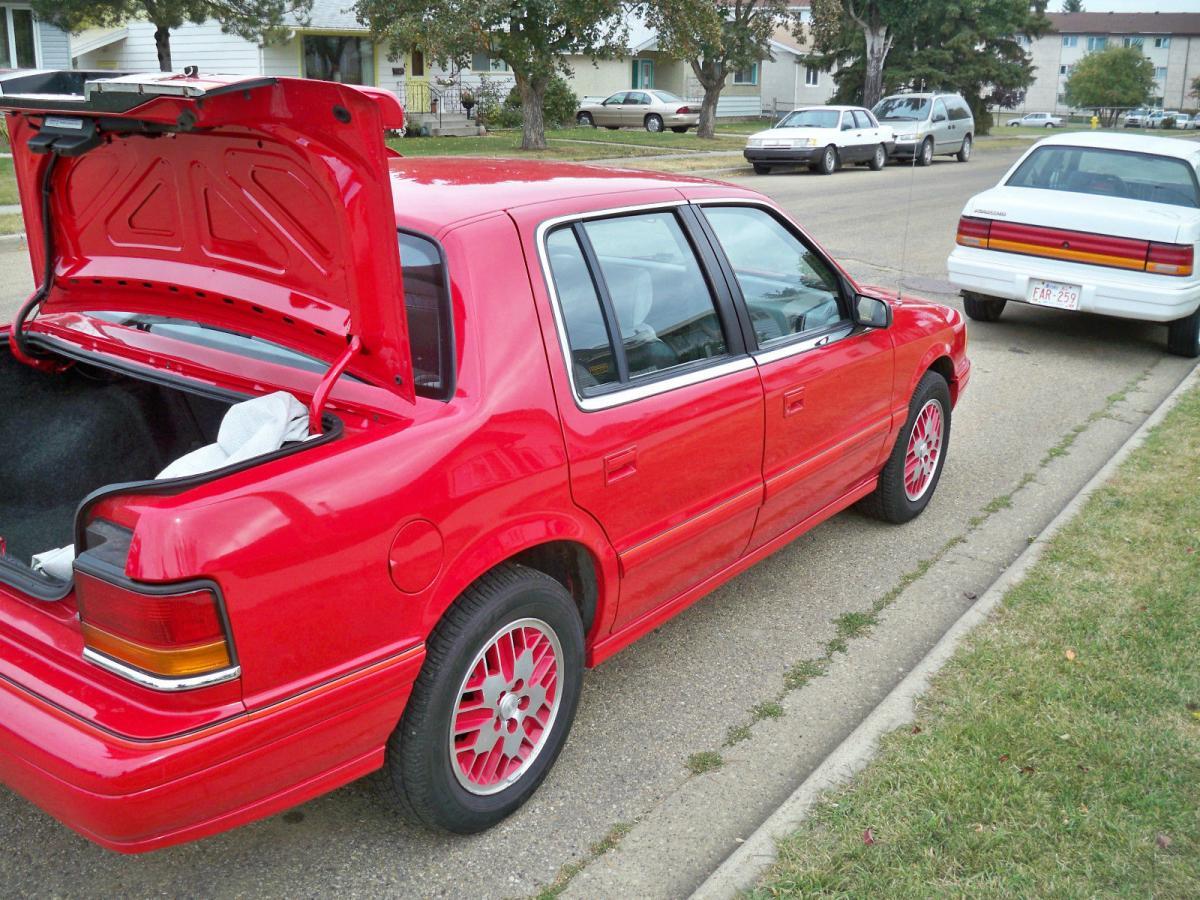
x,y
1110,173
902,109
811,118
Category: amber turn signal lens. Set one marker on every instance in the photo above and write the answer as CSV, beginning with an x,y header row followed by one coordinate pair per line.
x,y
177,662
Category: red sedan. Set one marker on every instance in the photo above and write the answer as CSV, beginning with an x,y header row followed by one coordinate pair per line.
x,y
353,462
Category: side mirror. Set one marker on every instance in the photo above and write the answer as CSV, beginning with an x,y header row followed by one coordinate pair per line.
x,y
872,312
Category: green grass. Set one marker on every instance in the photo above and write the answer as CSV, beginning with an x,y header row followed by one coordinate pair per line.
x,y
667,140
1058,754
12,223
508,144
609,842
704,761
8,183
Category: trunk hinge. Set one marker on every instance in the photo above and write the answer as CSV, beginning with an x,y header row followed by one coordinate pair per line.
x,y
321,394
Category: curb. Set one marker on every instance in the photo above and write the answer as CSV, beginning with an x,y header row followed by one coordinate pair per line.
x,y
745,865
12,238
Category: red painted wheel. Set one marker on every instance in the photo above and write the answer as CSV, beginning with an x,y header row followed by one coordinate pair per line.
x,y
507,705
924,450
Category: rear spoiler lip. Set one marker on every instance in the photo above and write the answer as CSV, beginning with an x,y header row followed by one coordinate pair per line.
x,y
111,93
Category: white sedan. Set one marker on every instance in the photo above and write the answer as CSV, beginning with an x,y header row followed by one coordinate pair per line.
x,y
1038,120
823,138
1123,243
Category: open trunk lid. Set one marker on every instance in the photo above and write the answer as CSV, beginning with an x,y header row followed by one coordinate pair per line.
x,y
262,205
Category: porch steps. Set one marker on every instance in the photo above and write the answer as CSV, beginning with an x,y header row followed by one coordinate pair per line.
x,y
450,124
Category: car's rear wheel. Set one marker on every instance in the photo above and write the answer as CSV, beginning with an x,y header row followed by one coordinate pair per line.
x,y
680,129
964,152
761,169
879,159
981,308
914,468
828,162
1183,336
925,154
492,706
654,123
584,120
613,127
1049,124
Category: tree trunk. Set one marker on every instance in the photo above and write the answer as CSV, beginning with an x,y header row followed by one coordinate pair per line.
x,y
162,43
533,117
712,78
878,46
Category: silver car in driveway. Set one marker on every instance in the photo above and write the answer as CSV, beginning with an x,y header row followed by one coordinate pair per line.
x,y
928,125
650,109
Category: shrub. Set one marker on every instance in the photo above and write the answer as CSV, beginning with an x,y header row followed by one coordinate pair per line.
x,y
558,107
1168,122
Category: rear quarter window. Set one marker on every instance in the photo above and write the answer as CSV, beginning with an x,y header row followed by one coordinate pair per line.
x,y
1110,173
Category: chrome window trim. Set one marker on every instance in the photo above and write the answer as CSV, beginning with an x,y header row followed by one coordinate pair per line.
x,y
795,347
156,683
632,392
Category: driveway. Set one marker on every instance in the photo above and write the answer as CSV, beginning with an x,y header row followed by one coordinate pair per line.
x,y
1052,396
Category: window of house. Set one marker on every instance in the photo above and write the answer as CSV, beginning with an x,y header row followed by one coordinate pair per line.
x,y
484,62
1023,40
1162,43
1070,40
812,76
1160,72
1133,42
341,58
1097,43
640,307
747,75
788,289
1062,70
17,42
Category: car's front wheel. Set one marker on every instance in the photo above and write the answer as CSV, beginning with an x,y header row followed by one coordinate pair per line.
x,y
964,152
925,154
585,120
761,169
492,706
914,468
1183,336
983,309
654,123
878,159
828,161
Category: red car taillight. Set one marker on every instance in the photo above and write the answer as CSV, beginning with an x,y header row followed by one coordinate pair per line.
x,y
683,111
974,232
1170,259
169,635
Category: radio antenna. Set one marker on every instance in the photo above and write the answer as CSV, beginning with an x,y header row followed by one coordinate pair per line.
x,y
912,178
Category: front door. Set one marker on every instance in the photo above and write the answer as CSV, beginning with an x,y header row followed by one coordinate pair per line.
x,y
663,418
643,74
637,104
417,95
610,112
827,384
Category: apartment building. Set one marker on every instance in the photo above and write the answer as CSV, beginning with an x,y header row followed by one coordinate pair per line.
x,y
1171,41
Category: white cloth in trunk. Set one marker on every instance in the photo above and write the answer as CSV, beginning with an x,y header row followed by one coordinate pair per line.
x,y
249,429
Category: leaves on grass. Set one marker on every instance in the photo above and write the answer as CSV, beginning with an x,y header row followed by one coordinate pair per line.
x,y
916,729
869,837
1164,842
1027,770
1070,654
1003,757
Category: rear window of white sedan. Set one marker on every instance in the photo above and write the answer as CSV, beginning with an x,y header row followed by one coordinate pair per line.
x,y
1110,173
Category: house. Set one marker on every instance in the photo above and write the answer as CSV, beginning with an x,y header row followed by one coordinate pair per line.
x,y
26,42
1171,41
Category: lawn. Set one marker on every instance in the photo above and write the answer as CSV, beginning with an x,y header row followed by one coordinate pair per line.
x,y
8,183
12,223
664,140
508,144
1058,754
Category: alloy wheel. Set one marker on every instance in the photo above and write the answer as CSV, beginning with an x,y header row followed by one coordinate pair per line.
x,y
924,450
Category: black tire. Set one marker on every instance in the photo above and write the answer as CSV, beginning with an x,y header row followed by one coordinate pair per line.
x,y
981,308
680,129
419,777
889,501
762,169
879,160
925,154
964,152
1049,124
1183,336
585,120
654,123
828,162
613,127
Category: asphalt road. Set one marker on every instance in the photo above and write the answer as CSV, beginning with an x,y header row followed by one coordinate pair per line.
x,y
1039,376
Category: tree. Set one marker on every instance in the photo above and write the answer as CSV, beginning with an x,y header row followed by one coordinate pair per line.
x,y
255,20
968,46
1072,6
1195,88
838,26
716,39
532,37
1111,80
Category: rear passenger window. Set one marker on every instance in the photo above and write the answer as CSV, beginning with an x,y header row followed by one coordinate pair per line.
x,y
788,289
427,310
862,119
641,308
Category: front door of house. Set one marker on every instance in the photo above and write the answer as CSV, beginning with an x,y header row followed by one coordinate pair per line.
x,y
417,97
643,74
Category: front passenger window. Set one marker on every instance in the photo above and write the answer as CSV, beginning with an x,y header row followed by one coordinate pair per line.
x,y
788,289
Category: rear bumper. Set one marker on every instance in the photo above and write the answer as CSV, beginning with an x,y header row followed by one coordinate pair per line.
x,y
134,796
677,121
1109,292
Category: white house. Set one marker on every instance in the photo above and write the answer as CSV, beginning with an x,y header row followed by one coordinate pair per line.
x,y
26,42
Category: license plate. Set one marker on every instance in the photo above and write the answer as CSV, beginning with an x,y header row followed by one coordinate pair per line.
x,y
1055,294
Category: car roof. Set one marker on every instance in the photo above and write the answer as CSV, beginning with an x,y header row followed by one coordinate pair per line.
x,y
432,192
823,106
1181,148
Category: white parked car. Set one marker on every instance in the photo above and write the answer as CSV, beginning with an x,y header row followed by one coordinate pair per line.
x,y
1184,122
1038,120
1101,223
823,138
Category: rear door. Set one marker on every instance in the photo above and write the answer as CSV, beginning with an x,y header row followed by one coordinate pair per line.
x,y
662,407
637,104
850,139
827,384
867,134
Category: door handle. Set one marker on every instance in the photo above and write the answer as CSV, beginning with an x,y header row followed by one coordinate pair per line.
x,y
793,401
620,465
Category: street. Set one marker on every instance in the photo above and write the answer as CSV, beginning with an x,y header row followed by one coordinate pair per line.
x,y
1053,394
